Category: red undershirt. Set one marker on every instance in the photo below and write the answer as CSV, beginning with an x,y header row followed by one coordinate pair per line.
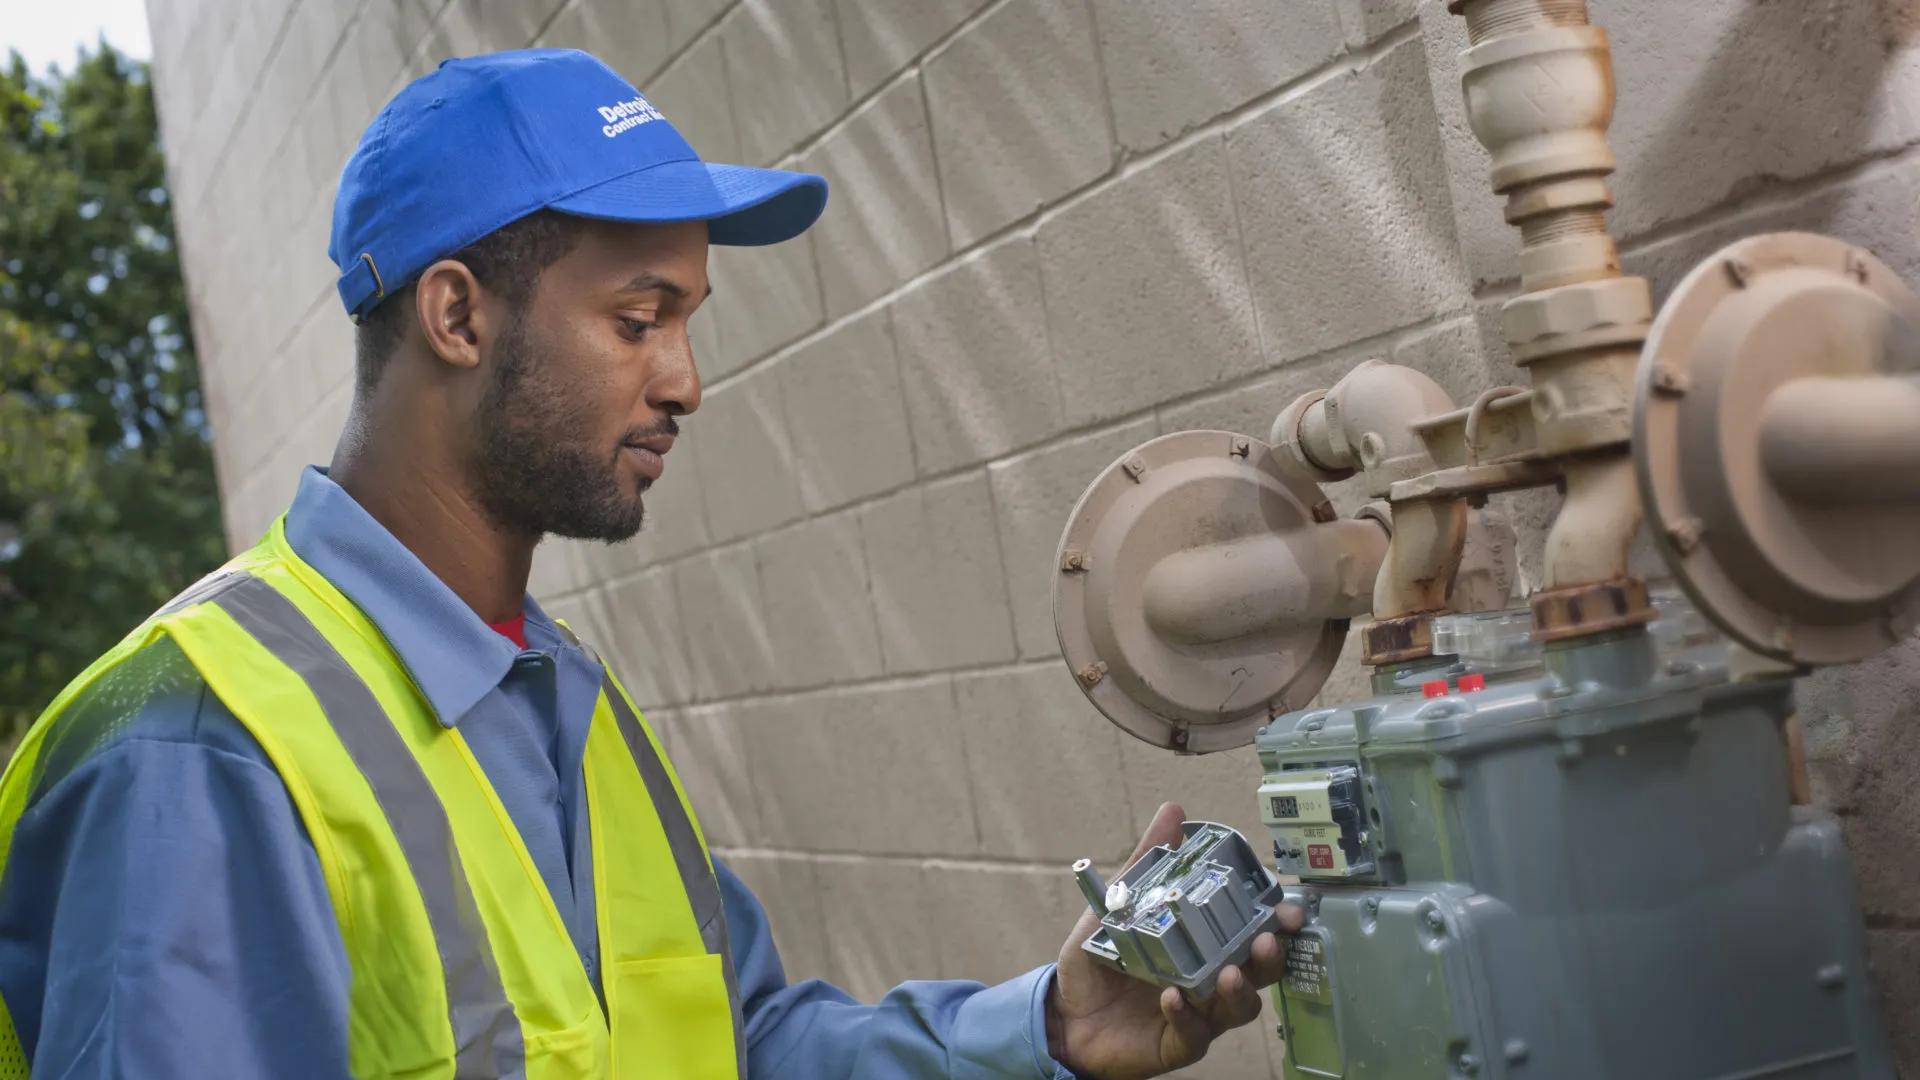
x,y
514,629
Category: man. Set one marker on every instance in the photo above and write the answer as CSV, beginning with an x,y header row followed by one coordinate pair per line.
x,y
354,805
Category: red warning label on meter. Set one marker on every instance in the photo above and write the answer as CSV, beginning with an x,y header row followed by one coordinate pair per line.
x,y
1320,856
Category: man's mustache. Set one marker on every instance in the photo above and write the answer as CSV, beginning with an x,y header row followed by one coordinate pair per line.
x,y
667,426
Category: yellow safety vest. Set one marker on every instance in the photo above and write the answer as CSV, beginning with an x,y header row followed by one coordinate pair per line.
x,y
461,964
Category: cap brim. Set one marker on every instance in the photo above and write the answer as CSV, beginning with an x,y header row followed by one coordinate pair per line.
x,y
742,206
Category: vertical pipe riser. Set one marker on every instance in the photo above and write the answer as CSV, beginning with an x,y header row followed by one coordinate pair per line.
x,y
1539,86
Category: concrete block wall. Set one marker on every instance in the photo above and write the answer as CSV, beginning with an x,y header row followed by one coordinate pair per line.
x,y
1059,228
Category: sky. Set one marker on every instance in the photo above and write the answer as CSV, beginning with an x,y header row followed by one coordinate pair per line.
x,y
52,31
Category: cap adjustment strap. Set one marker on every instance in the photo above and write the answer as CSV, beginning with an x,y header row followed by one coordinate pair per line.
x,y
354,286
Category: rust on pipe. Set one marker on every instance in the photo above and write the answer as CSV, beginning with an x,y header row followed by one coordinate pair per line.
x,y
1579,610
1394,641
1422,559
1598,520
1799,785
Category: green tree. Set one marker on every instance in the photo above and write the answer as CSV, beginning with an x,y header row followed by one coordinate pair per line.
x,y
108,504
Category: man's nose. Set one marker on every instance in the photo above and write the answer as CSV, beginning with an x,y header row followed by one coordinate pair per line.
x,y
674,387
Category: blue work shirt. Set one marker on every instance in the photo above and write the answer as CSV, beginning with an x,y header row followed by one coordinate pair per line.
x,y
163,913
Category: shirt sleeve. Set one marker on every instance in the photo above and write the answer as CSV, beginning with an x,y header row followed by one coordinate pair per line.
x,y
919,1031
164,915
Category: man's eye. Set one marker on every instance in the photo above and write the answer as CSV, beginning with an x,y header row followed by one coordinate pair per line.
x,y
637,328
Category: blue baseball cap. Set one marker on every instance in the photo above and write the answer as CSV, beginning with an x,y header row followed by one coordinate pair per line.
x,y
484,141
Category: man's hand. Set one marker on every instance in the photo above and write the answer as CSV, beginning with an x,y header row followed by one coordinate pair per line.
x,y
1108,1026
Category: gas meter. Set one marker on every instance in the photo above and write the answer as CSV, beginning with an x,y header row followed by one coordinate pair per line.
x,y
1557,840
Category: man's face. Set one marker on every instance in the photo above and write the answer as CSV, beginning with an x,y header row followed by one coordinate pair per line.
x,y
587,380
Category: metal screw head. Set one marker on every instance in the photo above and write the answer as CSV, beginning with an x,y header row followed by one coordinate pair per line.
x,y
1686,534
1783,636
1831,977
1093,673
1436,922
1739,270
1857,265
1241,447
1670,382
1372,904
1134,468
1073,561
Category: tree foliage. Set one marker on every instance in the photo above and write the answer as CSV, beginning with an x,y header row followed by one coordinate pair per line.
x,y
108,504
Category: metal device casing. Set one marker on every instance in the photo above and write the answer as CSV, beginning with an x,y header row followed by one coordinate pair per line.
x,y
1196,910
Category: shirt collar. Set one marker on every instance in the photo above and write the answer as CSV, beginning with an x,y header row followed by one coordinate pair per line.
x,y
452,656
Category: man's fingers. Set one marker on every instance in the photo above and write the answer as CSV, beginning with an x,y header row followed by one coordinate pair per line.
x,y
1268,962
1234,1002
1292,917
1188,1034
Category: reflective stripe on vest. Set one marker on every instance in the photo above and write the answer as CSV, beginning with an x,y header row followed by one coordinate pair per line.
x,y
689,856
486,1034
696,874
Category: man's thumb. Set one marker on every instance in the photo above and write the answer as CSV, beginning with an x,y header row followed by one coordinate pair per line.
x,y
1164,829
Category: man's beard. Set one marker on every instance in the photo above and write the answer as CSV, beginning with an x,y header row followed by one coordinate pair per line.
x,y
534,473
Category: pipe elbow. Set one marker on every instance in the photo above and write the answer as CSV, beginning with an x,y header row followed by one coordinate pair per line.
x,y
1365,423
1598,521
1422,558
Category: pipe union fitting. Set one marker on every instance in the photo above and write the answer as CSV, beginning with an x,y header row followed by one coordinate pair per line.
x,y
1589,315
1541,102
1289,439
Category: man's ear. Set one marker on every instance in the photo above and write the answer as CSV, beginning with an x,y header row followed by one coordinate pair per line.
x,y
453,312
